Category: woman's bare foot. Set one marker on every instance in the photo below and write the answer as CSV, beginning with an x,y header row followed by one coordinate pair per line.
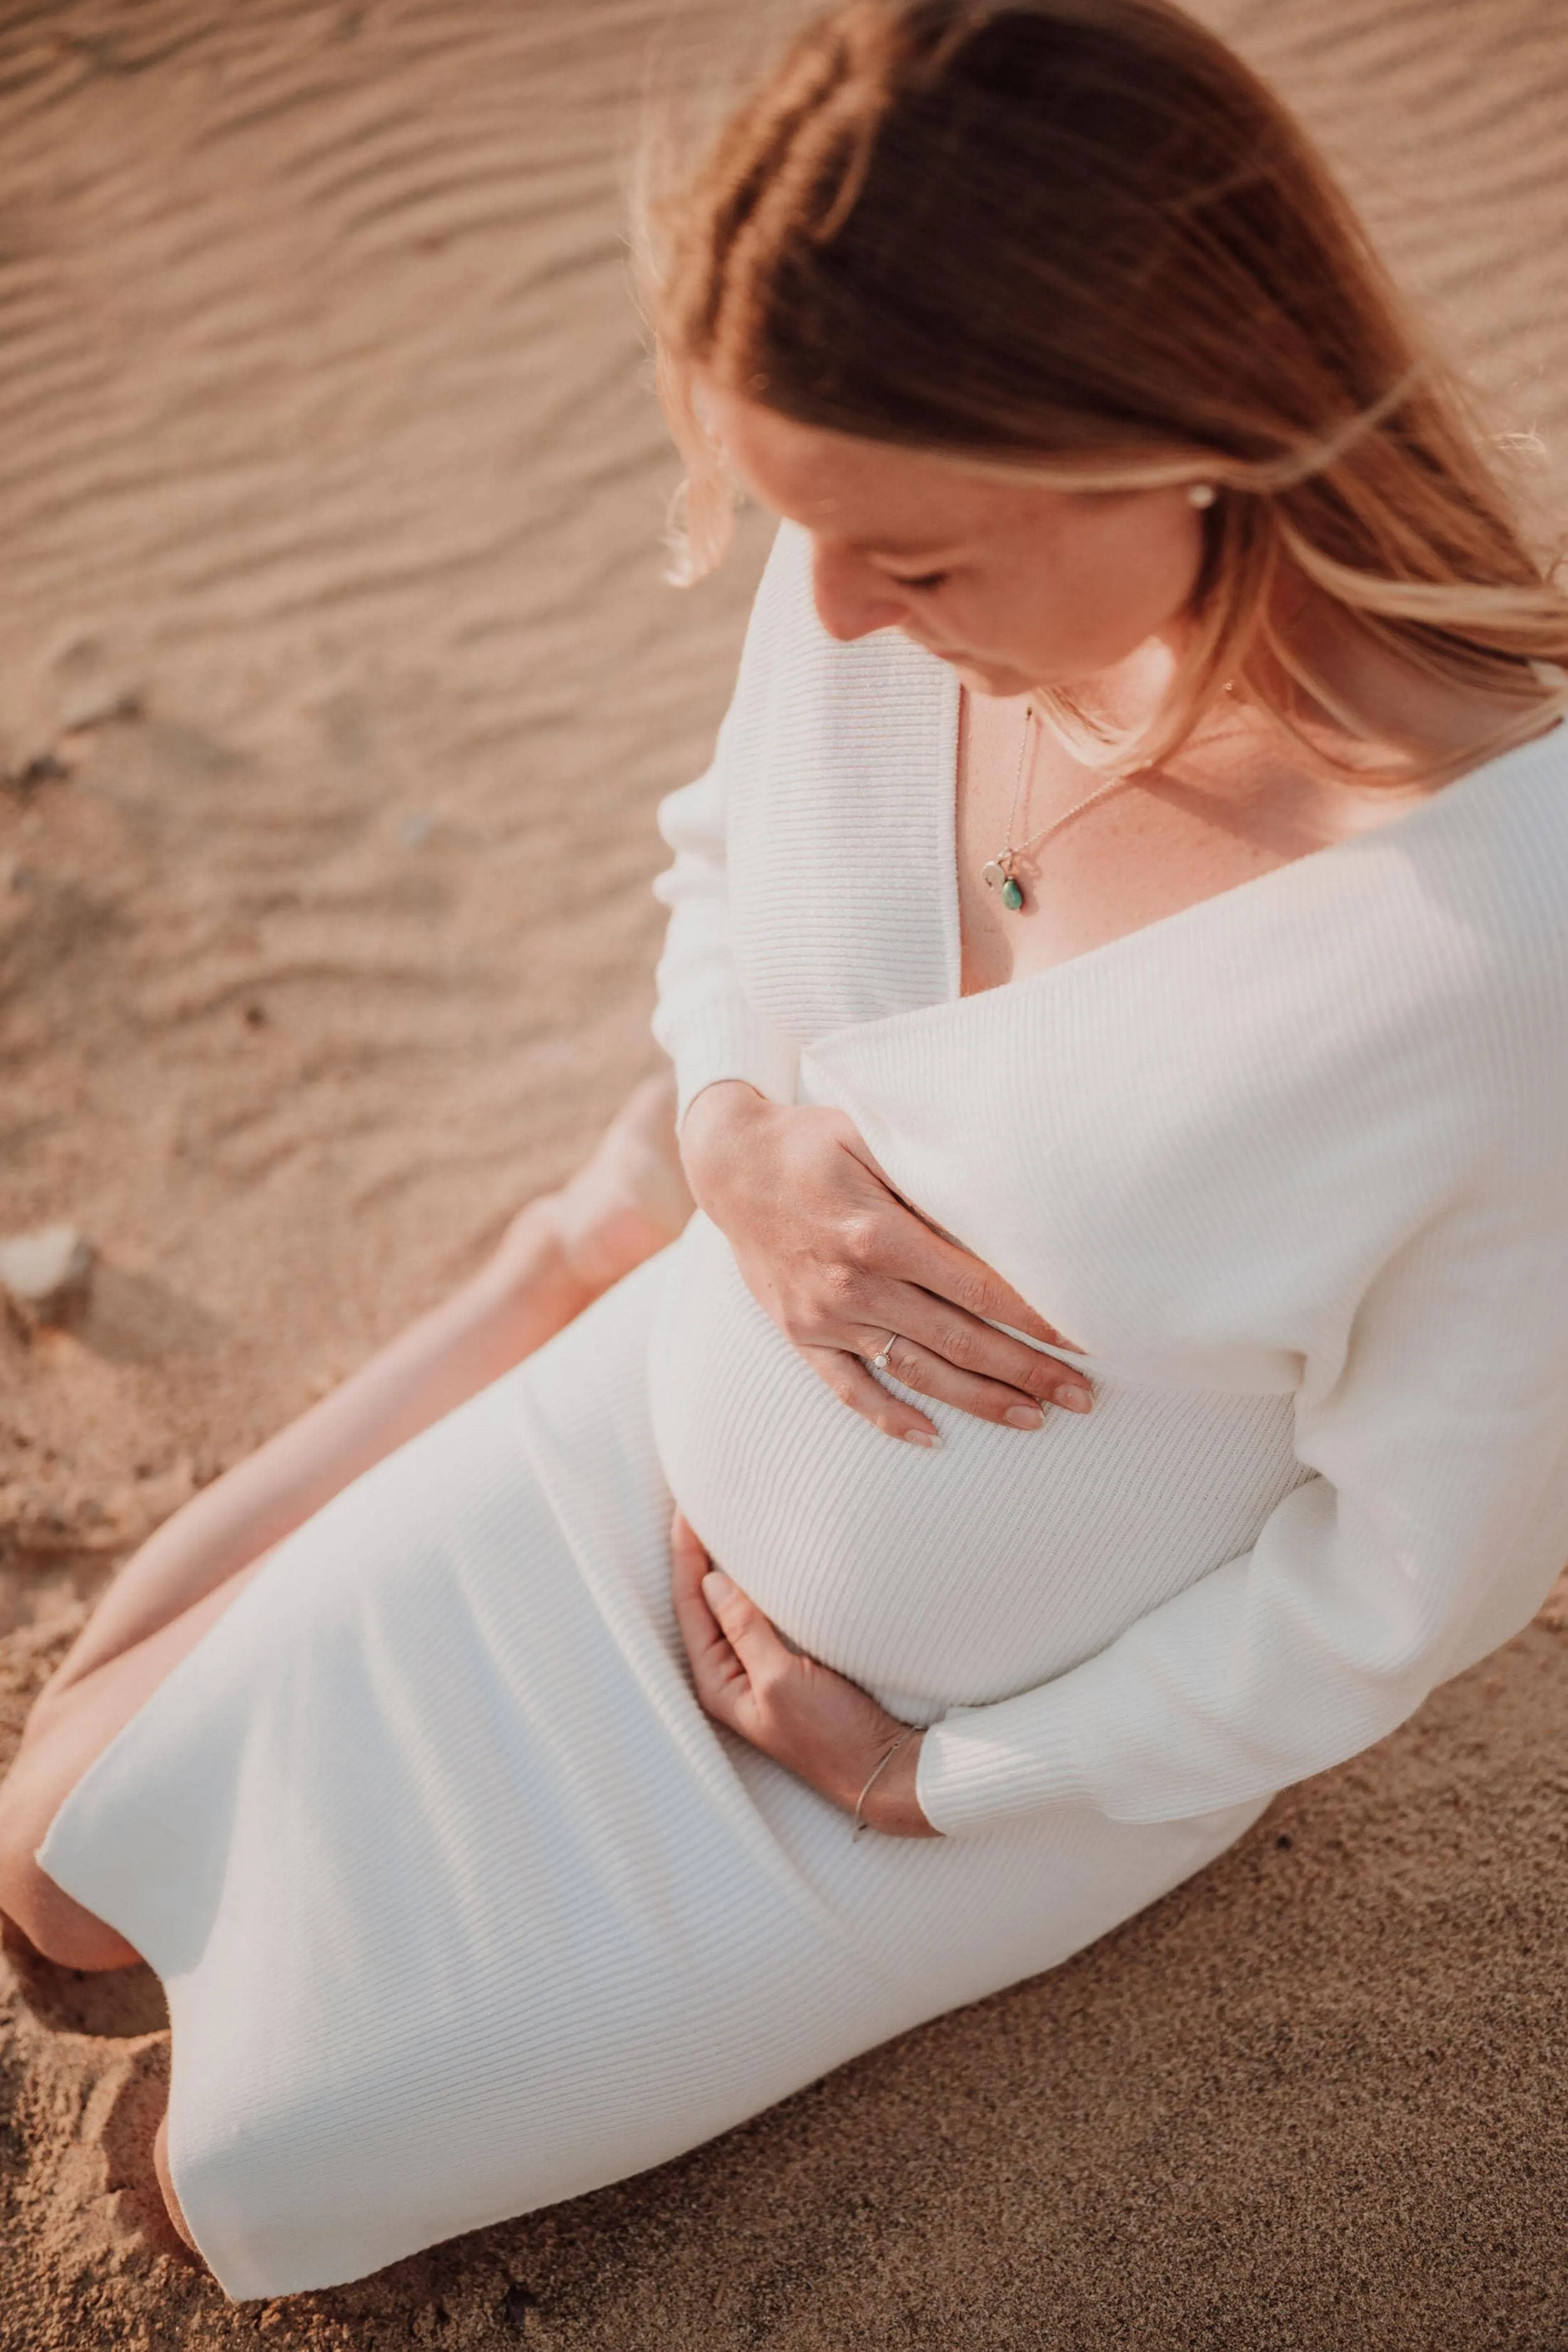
x,y
629,1198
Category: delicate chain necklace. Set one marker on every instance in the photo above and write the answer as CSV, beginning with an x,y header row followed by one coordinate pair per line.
x,y
999,873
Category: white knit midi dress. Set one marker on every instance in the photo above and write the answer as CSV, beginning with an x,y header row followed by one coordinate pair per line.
x,y
462,1904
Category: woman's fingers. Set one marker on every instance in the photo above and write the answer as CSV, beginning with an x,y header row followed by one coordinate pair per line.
x,y
733,1648
948,1272
899,1274
905,1245
715,1668
914,1366
853,1385
991,1372
840,1260
749,1634
847,1372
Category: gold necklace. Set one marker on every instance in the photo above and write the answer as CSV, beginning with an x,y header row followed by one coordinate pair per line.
x,y
999,873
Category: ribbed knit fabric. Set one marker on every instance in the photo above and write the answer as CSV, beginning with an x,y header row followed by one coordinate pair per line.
x,y
960,1577
463,1907
461,1904
1307,1141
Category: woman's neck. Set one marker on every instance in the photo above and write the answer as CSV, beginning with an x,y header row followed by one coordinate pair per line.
x,y
1407,730
1439,725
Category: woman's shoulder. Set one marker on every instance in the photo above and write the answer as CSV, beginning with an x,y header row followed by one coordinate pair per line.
x,y
1491,849
1460,948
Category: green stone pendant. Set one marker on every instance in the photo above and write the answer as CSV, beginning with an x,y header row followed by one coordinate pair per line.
x,y
997,875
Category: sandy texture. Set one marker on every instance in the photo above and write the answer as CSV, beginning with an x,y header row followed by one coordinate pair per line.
x,y
336,688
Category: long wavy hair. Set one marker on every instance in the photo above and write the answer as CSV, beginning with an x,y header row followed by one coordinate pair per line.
x,y
1080,242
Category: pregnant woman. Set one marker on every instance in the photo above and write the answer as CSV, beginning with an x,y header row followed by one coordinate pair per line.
x,y
1118,985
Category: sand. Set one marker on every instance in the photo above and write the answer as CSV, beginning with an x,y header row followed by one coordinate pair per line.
x,y
337,687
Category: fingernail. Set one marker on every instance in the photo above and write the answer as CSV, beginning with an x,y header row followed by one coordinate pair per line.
x,y
1076,1399
717,1585
921,1437
1023,1416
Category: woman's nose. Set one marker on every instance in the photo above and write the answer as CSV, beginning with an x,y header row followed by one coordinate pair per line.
x,y
851,600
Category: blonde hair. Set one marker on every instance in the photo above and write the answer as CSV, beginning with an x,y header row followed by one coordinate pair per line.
x,y
1080,242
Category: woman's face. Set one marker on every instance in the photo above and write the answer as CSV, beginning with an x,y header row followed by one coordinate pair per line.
x,y
1016,586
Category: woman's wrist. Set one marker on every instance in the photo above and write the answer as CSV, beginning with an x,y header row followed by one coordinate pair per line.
x,y
890,1805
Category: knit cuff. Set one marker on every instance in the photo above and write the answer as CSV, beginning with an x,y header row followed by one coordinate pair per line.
x,y
734,1043
986,1764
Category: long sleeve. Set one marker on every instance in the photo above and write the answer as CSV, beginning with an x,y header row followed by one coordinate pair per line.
x,y
703,1017
1433,1531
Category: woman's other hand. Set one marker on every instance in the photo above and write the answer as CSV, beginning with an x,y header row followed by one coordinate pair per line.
x,y
809,1720
840,1262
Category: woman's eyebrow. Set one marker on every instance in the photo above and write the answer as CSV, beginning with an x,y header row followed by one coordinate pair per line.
x,y
926,555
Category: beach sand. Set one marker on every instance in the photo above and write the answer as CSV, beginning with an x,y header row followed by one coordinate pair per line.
x,y
337,687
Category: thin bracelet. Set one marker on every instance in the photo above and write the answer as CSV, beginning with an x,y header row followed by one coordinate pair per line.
x,y
908,1733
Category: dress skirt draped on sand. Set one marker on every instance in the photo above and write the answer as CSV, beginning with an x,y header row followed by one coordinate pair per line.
x,y
461,1904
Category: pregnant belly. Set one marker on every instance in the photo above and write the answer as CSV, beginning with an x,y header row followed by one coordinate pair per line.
x,y
955,1575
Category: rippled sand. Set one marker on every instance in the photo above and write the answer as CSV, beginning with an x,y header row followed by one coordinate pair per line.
x,y
337,686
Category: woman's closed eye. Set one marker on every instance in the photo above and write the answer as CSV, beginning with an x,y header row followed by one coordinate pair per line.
x,y
920,581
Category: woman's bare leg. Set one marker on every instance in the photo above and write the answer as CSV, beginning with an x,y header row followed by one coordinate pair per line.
x,y
556,1257
560,1253
56,1750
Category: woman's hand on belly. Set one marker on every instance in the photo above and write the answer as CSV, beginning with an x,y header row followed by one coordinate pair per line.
x,y
849,1271
809,1720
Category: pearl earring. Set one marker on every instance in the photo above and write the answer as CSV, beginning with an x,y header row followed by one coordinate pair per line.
x,y
1202,494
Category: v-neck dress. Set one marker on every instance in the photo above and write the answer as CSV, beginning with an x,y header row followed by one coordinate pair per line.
x,y
462,1904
